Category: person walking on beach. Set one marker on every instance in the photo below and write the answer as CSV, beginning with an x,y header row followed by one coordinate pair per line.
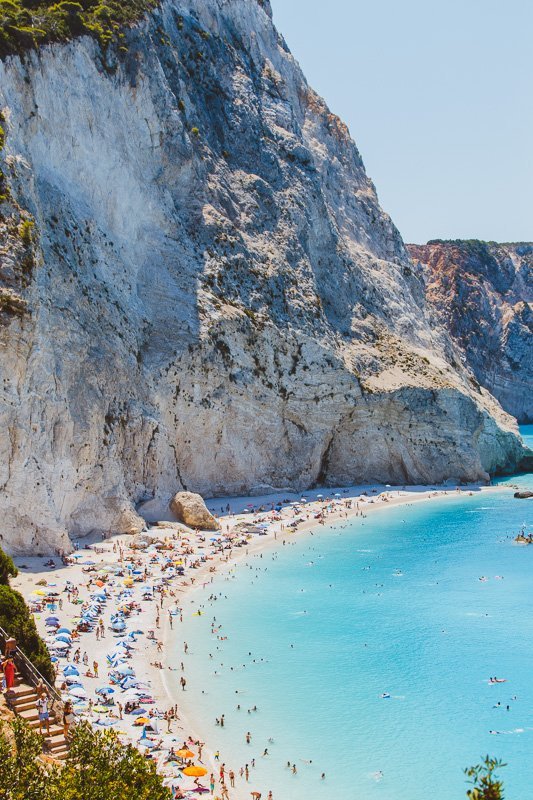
x,y
185,647
95,668
231,776
183,683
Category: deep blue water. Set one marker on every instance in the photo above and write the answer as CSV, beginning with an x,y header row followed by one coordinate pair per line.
x,y
389,604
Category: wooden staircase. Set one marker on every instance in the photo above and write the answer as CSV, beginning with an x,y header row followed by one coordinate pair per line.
x,y
23,701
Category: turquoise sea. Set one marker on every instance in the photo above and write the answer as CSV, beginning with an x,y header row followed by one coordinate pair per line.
x,y
392,604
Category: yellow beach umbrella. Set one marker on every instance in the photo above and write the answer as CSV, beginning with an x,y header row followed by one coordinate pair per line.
x,y
185,753
40,593
128,581
141,721
195,771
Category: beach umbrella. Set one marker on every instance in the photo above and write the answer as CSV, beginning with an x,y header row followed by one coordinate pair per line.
x,y
195,771
51,620
128,683
183,753
70,669
64,638
138,712
125,670
141,721
105,690
64,630
78,691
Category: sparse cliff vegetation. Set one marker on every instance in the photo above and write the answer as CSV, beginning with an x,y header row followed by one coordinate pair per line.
x,y
26,24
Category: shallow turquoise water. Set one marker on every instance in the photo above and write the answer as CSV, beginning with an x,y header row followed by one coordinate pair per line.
x,y
430,636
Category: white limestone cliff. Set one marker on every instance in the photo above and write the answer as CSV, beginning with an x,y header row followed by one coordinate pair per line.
x,y
216,301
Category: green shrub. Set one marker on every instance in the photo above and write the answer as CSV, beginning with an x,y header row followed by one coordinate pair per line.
x,y
16,620
25,231
25,24
7,568
98,767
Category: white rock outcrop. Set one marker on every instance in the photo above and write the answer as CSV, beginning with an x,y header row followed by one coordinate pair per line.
x,y
217,301
190,508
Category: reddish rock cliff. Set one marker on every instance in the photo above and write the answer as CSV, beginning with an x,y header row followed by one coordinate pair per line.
x,y
483,293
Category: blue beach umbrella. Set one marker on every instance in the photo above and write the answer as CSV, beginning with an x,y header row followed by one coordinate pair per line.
x,y
105,690
70,670
78,691
138,712
125,670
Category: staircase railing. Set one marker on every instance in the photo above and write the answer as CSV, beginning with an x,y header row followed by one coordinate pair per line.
x,y
33,676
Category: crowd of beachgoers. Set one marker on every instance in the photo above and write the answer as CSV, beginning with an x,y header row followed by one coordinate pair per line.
x,y
109,610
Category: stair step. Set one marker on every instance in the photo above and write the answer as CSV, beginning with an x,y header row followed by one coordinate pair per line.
x,y
55,730
20,707
55,741
23,690
29,715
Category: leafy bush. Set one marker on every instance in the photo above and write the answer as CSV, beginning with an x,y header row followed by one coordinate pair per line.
x,y
26,24
486,787
16,620
98,767
7,568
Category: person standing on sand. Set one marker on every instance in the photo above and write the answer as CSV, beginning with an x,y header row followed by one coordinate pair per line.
x,y
183,683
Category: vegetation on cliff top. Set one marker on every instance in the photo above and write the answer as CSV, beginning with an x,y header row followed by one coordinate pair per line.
x,y
26,24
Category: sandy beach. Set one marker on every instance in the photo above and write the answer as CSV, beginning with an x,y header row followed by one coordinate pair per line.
x,y
137,595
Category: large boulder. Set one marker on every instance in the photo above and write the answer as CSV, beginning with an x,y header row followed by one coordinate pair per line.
x,y
191,509
523,495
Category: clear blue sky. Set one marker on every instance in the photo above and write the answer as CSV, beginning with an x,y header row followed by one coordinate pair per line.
x,y
438,95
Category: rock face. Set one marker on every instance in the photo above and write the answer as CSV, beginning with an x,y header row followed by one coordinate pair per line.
x,y
213,299
191,509
483,293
